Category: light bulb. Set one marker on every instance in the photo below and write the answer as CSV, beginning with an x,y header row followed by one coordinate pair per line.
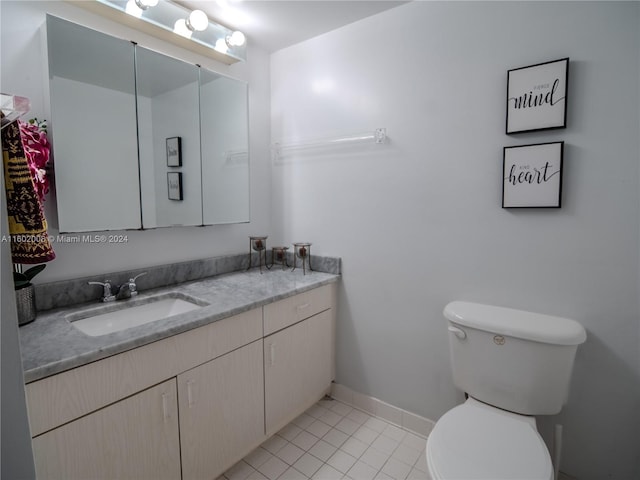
x,y
197,21
221,46
180,27
144,4
236,39
132,9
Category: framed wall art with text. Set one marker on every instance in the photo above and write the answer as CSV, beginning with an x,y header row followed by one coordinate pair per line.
x,y
537,97
532,176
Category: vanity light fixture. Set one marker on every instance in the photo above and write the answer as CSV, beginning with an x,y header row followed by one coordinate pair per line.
x,y
169,21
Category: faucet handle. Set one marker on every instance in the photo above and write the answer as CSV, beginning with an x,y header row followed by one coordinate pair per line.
x,y
107,296
133,289
137,276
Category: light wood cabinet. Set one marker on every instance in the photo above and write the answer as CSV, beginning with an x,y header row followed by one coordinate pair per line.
x,y
221,412
61,398
189,406
298,364
135,438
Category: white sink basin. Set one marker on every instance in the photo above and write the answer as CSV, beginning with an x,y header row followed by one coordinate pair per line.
x,y
110,318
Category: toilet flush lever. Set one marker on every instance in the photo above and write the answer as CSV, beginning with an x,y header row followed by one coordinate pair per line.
x,y
458,332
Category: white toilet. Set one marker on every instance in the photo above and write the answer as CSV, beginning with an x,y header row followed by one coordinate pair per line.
x,y
512,365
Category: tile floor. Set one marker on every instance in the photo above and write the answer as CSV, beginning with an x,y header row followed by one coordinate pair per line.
x,y
333,441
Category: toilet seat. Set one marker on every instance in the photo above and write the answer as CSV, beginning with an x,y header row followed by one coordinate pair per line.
x,y
477,441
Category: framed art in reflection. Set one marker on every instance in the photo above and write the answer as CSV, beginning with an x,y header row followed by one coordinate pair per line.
x,y
174,184
174,152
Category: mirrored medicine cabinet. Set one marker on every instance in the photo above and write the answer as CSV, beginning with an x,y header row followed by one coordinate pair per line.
x,y
142,140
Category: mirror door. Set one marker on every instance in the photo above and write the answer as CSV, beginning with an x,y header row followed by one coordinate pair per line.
x,y
93,119
225,149
169,140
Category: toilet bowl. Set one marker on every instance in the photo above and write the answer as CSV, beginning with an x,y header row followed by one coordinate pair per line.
x,y
476,441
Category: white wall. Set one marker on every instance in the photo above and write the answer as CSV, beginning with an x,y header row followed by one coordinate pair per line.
x,y
418,222
24,72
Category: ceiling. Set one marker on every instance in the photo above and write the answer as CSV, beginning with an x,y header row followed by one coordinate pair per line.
x,y
277,24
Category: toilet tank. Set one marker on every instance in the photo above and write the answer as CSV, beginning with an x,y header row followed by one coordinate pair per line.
x,y
515,360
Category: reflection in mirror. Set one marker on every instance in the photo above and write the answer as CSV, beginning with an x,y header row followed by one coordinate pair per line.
x,y
93,119
169,135
225,149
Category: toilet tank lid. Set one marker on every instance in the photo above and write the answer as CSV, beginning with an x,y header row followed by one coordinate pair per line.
x,y
516,323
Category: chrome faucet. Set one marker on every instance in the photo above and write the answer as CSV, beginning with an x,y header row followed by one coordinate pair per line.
x,y
107,296
126,290
132,284
129,289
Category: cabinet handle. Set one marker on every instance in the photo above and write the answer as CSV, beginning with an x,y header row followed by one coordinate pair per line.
x,y
303,306
165,408
190,393
272,355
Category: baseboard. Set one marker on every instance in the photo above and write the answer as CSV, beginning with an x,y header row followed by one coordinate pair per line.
x,y
402,418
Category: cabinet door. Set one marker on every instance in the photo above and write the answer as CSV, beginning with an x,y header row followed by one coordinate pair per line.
x,y
136,438
221,412
299,368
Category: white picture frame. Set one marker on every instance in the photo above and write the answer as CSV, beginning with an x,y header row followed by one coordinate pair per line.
x,y
532,176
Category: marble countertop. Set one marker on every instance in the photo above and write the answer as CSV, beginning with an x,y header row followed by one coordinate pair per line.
x,y
51,345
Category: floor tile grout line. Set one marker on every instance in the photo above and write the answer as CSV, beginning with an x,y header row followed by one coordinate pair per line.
x,y
396,435
370,444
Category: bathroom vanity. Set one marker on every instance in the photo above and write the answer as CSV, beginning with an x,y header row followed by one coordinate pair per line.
x,y
185,397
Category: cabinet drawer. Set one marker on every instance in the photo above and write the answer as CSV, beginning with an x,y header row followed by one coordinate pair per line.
x,y
61,398
286,312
